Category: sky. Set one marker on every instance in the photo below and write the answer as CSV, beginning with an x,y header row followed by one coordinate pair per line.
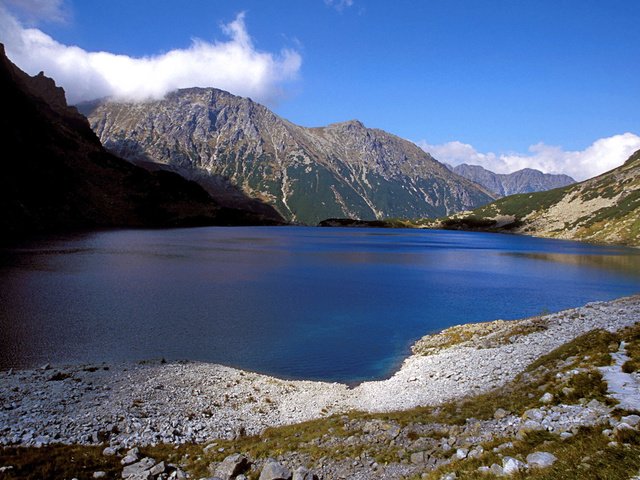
x,y
507,84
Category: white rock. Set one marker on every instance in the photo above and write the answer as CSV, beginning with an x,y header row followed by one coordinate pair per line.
x,y
541,459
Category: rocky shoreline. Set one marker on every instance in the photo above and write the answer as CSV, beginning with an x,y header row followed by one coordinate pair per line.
x,y
145,404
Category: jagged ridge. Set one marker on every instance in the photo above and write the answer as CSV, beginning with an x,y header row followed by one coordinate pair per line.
x,y
308,174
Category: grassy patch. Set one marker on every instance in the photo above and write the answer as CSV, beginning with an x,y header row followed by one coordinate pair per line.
x,y
57,461
586,455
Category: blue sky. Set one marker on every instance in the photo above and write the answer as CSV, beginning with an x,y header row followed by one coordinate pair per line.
x,y
507,83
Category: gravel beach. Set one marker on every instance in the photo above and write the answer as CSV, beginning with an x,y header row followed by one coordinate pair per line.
x,y
138,404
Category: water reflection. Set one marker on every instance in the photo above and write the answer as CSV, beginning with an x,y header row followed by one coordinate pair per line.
x,y
330,304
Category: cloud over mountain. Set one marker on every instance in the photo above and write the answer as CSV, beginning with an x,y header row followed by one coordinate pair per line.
x,y
234,64
601,156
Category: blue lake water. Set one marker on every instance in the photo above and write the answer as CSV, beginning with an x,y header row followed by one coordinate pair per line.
x,y
331,304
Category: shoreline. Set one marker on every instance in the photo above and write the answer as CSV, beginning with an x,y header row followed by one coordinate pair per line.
x,y
140,404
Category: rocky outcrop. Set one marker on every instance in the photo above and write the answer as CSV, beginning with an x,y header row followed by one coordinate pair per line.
x,y
526,180
307,174
57,176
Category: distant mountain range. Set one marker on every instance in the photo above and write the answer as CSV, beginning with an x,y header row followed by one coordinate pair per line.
x,y
526,180
307,174
604,209
57,176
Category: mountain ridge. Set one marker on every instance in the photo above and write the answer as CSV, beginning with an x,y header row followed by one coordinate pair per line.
x,y
526,180
307,174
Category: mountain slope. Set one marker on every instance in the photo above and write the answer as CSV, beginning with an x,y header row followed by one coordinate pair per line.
x,y
603,209
526,180
307,174
56,175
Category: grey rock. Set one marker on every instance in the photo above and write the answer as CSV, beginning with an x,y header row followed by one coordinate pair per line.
x,y
461,453
541,459
273,470
158,469
418,458
546,398
512,465
139,469
100,474
632,420
496,470
500,413
231,466
302,473
109,452
131,456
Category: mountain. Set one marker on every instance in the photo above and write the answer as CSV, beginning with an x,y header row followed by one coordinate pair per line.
x,y
526,180
307,174
57,176
604,209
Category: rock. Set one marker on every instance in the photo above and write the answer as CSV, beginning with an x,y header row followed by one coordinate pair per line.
x,y
273,470
531,426
99,474
449,476
231,467
541,459
622,426
533,414
139,469
484,469
476,452
546,398
158,469
500,413
302,473
418,458
512,465
632,420
497,470
462,453
131,456
109,452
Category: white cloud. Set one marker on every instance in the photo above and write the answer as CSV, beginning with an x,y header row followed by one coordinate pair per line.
x,y
234,65
601,156
339,5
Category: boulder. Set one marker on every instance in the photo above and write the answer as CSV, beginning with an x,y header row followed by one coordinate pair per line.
x,y
139,469
273,470
632,420
541,459
512,465
231,467
546,398
131,456
302,473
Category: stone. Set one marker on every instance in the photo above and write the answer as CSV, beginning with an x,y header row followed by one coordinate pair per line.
x,y
541,459
100,474
138,469
547,398
231,467
500,413
512,465
417,458
476,452
533,414
497,470
273,470
109,452
632,420
131,456
158,469
531,426
302,473
462,453
449,476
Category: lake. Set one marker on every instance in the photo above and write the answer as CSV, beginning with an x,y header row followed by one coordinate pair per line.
x,y
329,304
